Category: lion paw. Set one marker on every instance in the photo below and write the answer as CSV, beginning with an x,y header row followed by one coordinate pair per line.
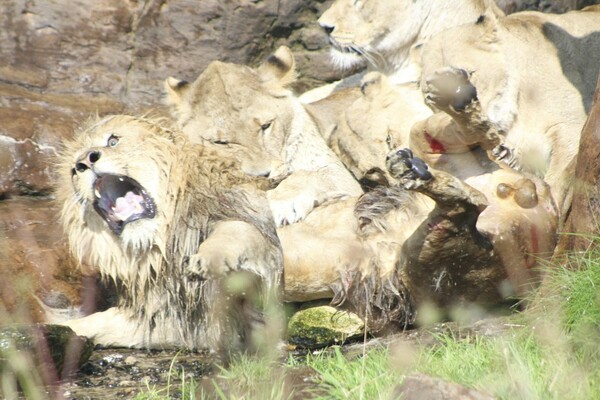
x,y
203,266
287,209
450,90
411,171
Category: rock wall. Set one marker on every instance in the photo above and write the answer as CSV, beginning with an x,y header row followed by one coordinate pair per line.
x,y
554,6
62,61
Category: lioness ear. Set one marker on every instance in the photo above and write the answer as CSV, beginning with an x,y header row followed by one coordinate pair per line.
x,y
490,23
176,89
280,66
371,83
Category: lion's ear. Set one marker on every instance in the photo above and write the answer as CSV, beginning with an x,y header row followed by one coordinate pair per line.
x,y
371,84
279,66
490,24
176,89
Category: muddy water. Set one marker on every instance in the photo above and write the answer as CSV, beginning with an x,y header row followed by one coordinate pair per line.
x,y
123,373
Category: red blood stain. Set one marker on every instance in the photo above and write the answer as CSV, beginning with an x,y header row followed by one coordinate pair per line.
x,y
535,246
436,146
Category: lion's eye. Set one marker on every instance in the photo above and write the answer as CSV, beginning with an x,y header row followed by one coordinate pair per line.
x,y
112,141
266,125
220,141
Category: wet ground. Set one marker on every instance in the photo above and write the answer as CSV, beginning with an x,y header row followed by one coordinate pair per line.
x,y
123,373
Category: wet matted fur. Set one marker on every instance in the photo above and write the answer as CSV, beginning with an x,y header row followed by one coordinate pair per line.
x,y
189,243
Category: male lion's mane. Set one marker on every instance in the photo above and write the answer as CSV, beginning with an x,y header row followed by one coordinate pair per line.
x,y
199,187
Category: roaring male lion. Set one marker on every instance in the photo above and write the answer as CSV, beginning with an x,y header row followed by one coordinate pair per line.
x,y
252,115
525,83
189,243
388,35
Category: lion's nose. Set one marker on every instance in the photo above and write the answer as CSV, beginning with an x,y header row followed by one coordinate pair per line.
x,y
327,28
87,161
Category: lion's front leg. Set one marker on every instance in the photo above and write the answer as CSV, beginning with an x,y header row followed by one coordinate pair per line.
x,y
299,193
240,270
111,328
447,190
451,91
233,246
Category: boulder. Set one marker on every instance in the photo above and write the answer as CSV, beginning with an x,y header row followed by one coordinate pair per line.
x,y
553,6
322,326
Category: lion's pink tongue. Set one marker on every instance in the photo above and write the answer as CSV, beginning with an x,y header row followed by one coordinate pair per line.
x,y
127,206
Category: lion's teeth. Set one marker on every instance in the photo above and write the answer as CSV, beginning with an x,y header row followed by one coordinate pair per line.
x,y
97,193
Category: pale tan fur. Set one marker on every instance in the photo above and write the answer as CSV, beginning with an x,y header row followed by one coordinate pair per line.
x,y
253,116
353,250
380,119
535,75
175,271
387,35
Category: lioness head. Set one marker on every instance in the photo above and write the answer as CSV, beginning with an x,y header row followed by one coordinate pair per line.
x,y
360,30
113,175
383,32
378,120
246,111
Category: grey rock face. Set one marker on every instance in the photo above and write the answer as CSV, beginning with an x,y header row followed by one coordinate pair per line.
x,y
59,64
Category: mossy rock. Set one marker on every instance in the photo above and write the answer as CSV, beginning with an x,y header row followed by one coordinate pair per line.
x,y
44,344
323,326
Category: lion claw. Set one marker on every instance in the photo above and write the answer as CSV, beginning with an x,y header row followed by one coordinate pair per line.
x,y
504,154
195,269
403,165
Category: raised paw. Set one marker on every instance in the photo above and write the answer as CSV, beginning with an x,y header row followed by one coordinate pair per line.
x,y
411,171
209,265
450,90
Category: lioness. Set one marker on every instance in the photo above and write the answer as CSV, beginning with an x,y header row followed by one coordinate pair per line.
x,y
251,115
192,251
388,35
353,249
472,240
380,119
526,84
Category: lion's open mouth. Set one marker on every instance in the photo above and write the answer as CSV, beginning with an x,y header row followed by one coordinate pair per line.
x,y
120,200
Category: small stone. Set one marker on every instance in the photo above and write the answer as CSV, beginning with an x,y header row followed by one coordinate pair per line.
x,y
113,358
131,360
323,326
